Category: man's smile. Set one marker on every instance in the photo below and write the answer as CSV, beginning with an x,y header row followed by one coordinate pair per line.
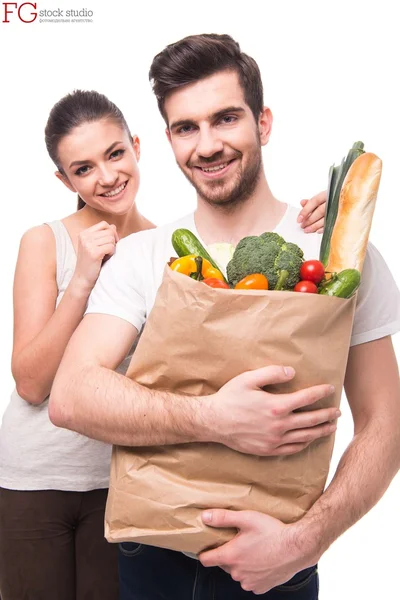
x,y
216,170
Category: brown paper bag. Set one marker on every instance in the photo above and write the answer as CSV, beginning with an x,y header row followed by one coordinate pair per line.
x,y
195,340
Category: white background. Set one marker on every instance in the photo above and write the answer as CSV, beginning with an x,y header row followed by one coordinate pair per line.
x,y
330,75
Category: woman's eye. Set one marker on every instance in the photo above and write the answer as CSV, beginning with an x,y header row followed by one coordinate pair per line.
x,y
82,170
117,153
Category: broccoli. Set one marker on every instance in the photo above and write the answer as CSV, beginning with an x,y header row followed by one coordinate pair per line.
x,y
271,236
253,255
293,248
268,254
289,260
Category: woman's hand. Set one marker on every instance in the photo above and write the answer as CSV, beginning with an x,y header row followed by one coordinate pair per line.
x,y
312,215
95,245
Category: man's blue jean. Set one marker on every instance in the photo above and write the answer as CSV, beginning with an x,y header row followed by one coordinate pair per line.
x,y
149,573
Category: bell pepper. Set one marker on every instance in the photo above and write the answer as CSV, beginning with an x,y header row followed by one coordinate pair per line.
x,y
189,266
256,281
216,283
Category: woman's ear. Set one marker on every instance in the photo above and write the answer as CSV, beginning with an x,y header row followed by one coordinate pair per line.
x,y
65,180
136,146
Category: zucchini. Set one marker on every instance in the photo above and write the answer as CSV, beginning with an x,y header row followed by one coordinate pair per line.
x,y
335,182
343,285
185,242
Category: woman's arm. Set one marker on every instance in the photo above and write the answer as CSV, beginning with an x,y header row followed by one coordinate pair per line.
x,y
312,215
42,331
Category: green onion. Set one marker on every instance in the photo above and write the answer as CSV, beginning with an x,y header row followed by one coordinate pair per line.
x,y
335,181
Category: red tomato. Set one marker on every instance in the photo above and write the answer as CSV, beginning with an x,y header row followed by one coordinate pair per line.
x,y
215,283
312,270
306,286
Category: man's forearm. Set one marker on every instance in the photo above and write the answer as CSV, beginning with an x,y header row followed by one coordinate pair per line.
x,y
363,474
373,457
107,406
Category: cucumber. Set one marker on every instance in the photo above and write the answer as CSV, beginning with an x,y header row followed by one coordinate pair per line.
x,y
343,285
185,242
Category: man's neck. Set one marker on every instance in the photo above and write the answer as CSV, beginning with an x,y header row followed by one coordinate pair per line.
x,y
259,213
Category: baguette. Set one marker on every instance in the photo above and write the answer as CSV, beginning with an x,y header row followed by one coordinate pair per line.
x,y
357,200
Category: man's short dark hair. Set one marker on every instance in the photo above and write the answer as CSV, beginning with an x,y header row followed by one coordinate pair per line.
x,y
198,56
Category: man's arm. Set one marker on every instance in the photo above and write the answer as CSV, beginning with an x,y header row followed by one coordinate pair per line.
x,y
89,397
267,552
373,457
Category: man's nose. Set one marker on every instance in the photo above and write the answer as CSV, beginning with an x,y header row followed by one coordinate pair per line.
x,y
208,143
107,176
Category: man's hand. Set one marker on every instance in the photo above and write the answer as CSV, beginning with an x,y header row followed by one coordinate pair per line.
x,y
312,215
248,419
265,552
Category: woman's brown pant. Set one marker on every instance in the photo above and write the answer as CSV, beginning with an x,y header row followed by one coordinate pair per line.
x,y
52,547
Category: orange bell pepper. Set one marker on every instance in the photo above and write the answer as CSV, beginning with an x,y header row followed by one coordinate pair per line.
x,y
188,266
256,281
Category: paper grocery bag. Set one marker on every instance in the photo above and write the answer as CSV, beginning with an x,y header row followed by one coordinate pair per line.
x,y
195,340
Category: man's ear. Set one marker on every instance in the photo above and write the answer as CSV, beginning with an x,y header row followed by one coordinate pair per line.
x,y
265,125
136,146
65,180
168,133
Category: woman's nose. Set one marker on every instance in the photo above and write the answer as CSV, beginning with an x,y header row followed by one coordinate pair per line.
x,y
107,177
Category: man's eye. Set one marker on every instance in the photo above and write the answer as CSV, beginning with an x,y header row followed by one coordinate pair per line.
x,y
228,119
185,129
82,170
117,153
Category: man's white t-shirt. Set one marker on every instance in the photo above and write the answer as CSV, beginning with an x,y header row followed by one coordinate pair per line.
x,y
128,282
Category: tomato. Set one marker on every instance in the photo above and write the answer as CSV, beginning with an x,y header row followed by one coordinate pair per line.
x,y
216,283
308,287
256,281
312,270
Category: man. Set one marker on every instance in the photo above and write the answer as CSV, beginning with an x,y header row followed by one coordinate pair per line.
x,y
210,95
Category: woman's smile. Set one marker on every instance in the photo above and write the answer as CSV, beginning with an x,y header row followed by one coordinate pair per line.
x,y
116,193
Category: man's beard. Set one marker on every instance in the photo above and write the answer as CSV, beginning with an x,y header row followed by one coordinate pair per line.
x,y
216,193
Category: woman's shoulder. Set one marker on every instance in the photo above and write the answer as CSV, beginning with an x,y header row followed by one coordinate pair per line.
x,y
38,238
36,261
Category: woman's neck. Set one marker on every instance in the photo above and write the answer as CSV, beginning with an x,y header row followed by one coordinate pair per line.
x,y
131,222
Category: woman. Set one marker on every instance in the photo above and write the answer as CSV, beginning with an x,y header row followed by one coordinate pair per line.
x,y
53,482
